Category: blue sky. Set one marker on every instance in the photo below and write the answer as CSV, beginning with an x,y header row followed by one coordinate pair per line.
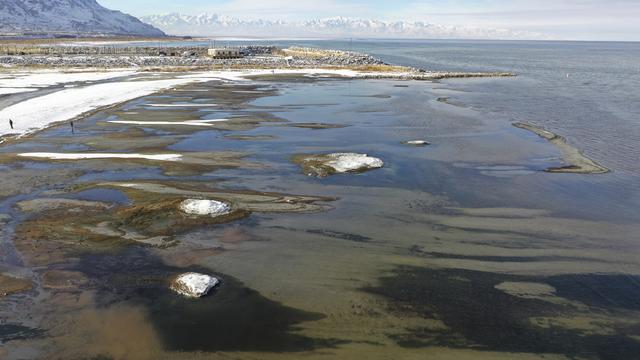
x,y
563,19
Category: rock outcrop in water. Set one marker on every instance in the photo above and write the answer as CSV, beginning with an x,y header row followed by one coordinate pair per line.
x,y
205,207
417,142
194,285
323,165
11,285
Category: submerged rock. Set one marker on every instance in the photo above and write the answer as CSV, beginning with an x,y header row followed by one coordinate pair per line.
x,y
417,142
329,164
205,207
11,285
193,284
62,279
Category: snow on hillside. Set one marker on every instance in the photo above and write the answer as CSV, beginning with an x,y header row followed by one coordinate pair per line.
x,y
68,17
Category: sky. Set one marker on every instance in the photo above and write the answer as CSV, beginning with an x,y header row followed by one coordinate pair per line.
x,y
559,19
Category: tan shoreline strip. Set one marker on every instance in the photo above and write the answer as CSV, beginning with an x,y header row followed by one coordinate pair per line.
x,y
578,163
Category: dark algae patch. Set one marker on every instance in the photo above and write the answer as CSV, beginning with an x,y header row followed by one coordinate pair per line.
x,y
317,126
603,291
331,234
232,317
9,332
478,315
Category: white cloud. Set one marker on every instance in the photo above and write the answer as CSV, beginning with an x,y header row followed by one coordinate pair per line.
x,y
571,19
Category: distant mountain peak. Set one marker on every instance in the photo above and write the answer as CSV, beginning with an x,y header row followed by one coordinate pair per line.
x,y
85,17
207,24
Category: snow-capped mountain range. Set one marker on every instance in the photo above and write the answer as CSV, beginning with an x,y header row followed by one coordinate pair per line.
x,y
217,25
85,17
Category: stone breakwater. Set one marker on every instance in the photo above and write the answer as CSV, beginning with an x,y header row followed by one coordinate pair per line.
x,y
254,56
133,61
195,58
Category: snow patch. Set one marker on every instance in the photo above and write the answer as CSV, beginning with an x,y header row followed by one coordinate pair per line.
x,y
194,285
37,113
45,79
80,156
14,90
205,207
346,162
181,105
185,123
417,142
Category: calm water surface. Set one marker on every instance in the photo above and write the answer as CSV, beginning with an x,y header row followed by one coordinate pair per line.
x,y
465,249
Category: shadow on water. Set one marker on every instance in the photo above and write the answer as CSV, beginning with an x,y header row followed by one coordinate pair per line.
x,y
231,318
9,332
481,316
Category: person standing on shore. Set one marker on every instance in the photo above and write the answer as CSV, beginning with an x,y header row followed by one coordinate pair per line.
x,y
72,129
11,123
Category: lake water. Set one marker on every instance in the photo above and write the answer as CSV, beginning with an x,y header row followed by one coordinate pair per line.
x,y
464,249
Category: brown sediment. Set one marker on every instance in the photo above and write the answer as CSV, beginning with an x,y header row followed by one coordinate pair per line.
x,y
20,180
313,165
11,285
117,332
253,201
46,204
154,219
162,217
63,279
43,239
578,163
190,163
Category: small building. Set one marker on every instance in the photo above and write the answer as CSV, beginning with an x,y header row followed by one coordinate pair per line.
x,y
225,53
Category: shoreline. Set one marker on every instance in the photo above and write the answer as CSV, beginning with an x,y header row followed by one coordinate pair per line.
x,y
577,162
71,103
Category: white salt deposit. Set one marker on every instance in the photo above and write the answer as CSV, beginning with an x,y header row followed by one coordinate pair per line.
x,y
80,156
205,207
37,113
193,284
417,142
181,105
185,123
346,162
13,90
50,78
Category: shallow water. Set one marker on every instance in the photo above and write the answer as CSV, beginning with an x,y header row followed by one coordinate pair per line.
x,y
463,249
